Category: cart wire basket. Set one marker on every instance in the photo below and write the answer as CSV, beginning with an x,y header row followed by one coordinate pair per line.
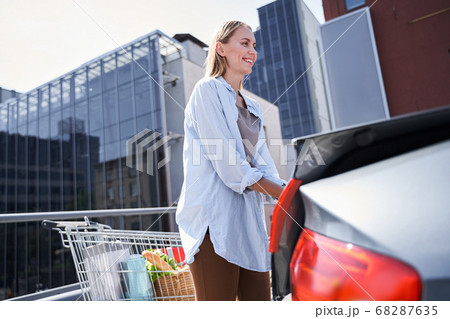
x,y
124,264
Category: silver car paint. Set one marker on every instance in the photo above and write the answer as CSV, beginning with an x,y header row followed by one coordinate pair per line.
x,y
398,207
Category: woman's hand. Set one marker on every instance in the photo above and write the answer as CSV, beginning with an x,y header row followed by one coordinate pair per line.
x,y
267,187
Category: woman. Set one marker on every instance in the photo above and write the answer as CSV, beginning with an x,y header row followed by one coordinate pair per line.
x,y
227,166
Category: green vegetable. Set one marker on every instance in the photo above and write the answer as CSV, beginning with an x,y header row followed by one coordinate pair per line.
x,y
171,261
155,273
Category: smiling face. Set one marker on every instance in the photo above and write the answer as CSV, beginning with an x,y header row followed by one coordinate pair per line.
x,y
239,52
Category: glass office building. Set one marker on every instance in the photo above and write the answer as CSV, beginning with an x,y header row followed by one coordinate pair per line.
x,y
63,148
64,143
279,73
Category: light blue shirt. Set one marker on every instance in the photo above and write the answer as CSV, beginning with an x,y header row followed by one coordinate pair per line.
x,y
216,177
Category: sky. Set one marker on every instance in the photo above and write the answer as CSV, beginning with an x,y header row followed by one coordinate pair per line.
x,y
42,40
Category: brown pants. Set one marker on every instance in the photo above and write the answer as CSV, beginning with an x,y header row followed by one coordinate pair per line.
x,y
217,279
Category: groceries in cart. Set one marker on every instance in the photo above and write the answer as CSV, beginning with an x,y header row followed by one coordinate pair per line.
x,y
137,285
126,265
103,265
170,280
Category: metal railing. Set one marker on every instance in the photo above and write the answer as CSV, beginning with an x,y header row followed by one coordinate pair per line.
x,y
32,259
65,215
33,262
70,292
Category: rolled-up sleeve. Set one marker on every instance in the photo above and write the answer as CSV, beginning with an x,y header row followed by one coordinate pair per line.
x,y
205,113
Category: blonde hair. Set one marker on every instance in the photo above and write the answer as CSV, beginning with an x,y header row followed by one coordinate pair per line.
x,y
215,64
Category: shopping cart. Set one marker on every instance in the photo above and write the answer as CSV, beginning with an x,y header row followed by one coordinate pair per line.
x,y
110,263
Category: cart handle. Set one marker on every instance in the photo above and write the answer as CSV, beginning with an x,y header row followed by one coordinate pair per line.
x,y
59,225
56,225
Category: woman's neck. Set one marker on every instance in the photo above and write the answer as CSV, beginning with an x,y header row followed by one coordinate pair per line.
x,y
233,80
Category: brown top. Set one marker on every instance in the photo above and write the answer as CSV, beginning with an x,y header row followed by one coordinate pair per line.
x,y
249,128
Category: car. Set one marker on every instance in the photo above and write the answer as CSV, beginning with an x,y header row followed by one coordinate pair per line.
x,y
365,215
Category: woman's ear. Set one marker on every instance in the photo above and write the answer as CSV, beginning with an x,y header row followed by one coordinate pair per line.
x,y
219,49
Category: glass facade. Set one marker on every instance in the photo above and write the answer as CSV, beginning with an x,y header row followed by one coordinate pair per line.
x,y
65,142
352,4
63,148
280,63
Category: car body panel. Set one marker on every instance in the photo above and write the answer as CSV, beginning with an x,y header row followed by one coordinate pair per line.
x,y
350,149
398,207
361,145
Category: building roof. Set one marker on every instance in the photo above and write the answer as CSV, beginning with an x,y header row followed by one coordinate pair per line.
x,y
181,37
167,46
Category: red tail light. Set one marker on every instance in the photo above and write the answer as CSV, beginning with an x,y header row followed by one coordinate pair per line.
x,y
279,213
327,269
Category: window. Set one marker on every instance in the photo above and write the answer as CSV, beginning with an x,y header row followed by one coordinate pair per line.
x,y
144,121
140,55
110,108
121,191
124,67
131,172
143,100
80,85
125,102
352,4
110,193
94,77
110,172
111,134
23,111
133,189
95,113
109,71
126,130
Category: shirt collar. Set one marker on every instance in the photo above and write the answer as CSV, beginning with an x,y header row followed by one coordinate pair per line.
x,y
251,108
227,85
